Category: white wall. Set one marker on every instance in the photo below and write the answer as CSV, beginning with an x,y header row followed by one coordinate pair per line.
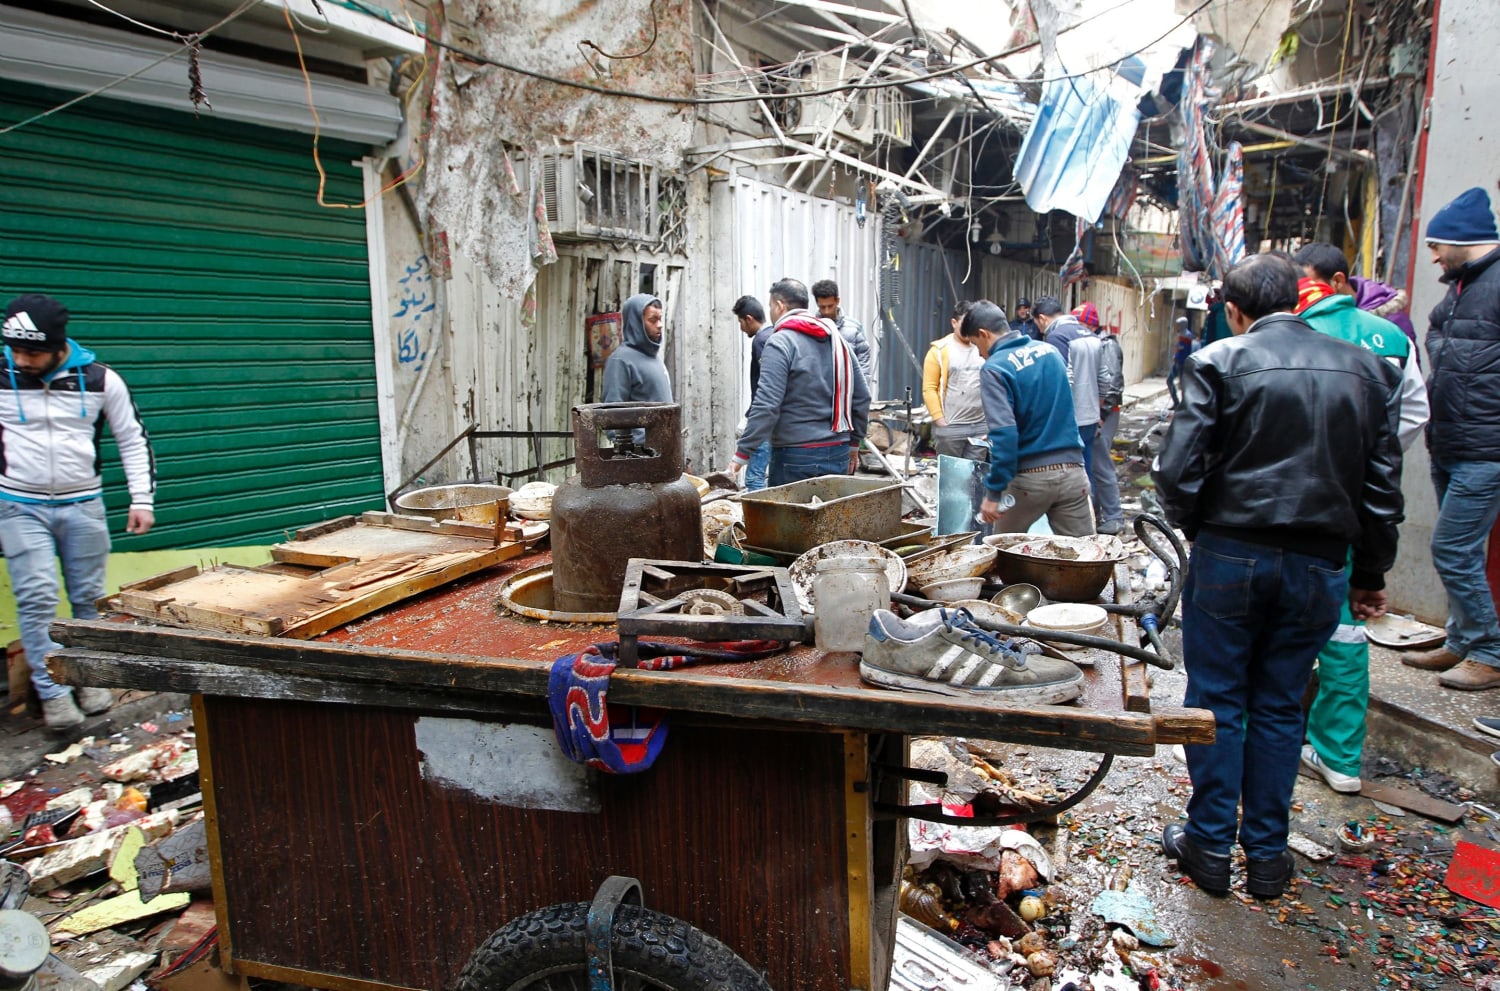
x,y
1462,142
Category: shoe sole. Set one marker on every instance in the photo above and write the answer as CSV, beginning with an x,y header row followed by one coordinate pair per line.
x,y
1470,686
1344,788
1049,694
1490,731
1265,890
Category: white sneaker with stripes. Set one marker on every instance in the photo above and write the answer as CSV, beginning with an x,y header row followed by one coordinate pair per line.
x,y
943,651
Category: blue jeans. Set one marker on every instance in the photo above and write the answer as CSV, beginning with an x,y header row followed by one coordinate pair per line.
x,y
759,467
33,537
1468,502
1253,620
793,464
1086,434
1102,477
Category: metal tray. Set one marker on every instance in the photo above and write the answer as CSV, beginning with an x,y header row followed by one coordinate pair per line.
x,y
848,507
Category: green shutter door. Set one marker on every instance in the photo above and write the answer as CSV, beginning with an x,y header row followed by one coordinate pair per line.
x,y
196,262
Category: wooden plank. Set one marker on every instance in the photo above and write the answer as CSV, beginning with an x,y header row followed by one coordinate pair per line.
x,y
1178,725
158,581
389,594
1135,687
361,568
1067,727
208,780
423,524
1412,800
859,858
330,526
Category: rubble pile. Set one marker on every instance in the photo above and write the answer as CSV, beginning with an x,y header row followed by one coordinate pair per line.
x,y
106,845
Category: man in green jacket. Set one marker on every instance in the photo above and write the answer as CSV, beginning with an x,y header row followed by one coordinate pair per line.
x,y
1336,721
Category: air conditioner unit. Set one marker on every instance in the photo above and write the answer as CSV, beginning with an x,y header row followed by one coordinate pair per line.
x,y
593,195
851,112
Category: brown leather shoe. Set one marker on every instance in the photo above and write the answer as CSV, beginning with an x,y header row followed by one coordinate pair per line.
x,y
1471,676
1431,660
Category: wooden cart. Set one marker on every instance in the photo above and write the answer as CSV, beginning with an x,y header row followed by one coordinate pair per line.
x,y
381,800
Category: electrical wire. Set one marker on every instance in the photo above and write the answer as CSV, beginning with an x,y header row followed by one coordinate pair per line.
x,y
318,126
751,98
132,20
186,47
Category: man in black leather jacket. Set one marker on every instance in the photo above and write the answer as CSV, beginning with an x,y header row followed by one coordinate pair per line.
x,y
1282,457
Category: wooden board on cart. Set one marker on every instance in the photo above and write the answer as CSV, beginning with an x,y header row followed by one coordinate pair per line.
x,y
325,576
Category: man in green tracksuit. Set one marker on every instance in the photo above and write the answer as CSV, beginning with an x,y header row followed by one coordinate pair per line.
x,y
1336,721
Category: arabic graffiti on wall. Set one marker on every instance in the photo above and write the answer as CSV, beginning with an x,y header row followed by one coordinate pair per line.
x,y
414,316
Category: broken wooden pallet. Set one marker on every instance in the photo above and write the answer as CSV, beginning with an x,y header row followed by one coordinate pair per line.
x,y
328,575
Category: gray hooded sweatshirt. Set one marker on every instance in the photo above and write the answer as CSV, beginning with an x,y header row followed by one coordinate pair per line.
x,y
634,372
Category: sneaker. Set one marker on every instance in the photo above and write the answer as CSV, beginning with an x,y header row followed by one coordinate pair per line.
x,y
1487,724
943,651
1110,527
1268,878
93,700
1209,871
1495,758
61,713
1346,784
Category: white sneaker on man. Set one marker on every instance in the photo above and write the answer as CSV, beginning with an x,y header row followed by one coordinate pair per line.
x,y
1344,783
61,713
93,700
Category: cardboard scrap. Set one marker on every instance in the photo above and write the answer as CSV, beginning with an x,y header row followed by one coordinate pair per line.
x,y
1413,800
148,763
176,864
186,931
1309,848
1474,871
92,853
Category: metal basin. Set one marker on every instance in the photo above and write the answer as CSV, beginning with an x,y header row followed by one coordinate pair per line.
x,y
471,503
529,593
1060,580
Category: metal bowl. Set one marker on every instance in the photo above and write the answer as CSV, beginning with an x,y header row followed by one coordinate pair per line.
x,y
471,503
1058,579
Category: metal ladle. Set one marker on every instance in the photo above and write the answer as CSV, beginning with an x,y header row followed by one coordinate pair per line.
x,y
1018,599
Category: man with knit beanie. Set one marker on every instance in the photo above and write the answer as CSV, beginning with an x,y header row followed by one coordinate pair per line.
x,y
1327,303
1463,436
52,420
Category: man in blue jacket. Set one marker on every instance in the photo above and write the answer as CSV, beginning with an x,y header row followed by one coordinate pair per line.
x,y
1036,453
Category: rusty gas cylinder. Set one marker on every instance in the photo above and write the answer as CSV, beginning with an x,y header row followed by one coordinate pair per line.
x,y
628,500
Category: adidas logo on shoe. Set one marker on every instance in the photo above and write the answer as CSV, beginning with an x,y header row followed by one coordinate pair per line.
x,y
946,652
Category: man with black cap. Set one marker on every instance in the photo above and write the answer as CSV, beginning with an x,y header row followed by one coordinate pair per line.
x,y
1463,436
1023,324
51,424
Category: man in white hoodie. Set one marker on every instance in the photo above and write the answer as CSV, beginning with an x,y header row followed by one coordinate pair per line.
x,y
51,506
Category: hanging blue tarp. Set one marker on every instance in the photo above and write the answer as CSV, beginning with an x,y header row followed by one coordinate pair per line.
x,y
1073,153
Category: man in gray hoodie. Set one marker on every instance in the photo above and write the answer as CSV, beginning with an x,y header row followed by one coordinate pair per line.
x,y
812,402
635,372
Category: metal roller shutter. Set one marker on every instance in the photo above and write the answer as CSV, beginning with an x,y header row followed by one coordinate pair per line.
x,y
196,261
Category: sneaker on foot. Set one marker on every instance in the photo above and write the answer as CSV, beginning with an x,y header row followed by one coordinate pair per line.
x,y
943,651
1348,784
61,713
1487,724
1110,527
93,700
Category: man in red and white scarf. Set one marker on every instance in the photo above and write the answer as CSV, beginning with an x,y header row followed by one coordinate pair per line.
x,y
812,402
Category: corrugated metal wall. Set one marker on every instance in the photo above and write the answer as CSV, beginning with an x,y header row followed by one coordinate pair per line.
x,y
929,288
779,233
195,260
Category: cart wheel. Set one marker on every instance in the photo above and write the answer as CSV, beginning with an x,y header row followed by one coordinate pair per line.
x,y
545,951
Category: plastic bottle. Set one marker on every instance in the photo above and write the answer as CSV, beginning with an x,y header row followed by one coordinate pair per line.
x,y
1007,502
846,590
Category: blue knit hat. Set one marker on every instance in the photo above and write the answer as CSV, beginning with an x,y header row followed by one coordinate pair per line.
x,y
1466,220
